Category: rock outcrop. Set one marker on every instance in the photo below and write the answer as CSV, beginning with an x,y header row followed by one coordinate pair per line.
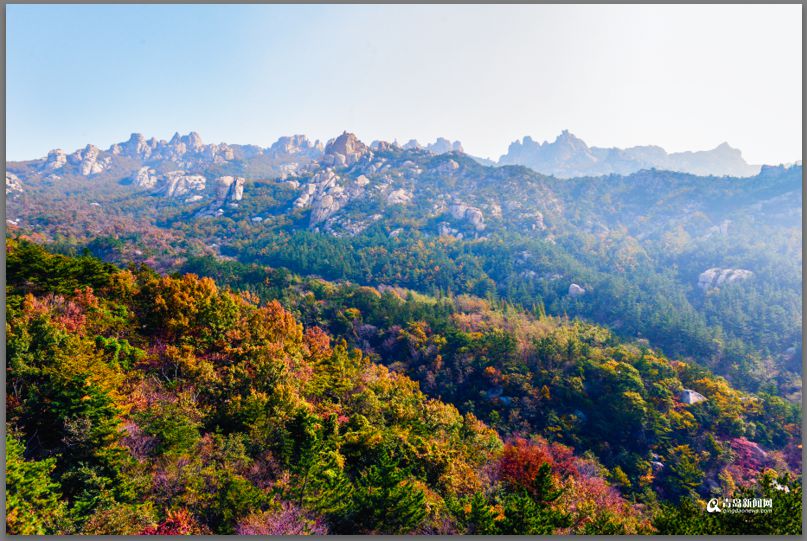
x,y
327,205
716,277
296,144
324,195
88,160
399,197
471,215
145,178
229,189
576,291
345,150
13,184
178,184
56,159
136,147
183,149
688,396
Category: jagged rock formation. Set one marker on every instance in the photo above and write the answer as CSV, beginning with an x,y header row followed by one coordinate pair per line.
x,y
345,150
178,183
227,191
440,146
181,148
146,177
326,181
569,156
88,160
324,195
56,159
13,185
296,144
715,277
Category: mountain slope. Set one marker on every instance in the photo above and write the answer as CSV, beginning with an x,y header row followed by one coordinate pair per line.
x,y
693,264
150,404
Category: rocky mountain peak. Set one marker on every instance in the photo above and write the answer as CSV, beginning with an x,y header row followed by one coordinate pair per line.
x,y
347,143
568,139
193,140
56,159
295,144
345,149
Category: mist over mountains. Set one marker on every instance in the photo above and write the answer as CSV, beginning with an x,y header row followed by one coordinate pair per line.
x,y
568,156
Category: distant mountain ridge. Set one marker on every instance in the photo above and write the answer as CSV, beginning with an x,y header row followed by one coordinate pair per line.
x,y
329,180
566,157
569,156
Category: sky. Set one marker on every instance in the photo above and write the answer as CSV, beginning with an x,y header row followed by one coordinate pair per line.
x,y
683,77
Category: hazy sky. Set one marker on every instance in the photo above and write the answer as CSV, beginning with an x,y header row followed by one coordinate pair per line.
x,y
683,77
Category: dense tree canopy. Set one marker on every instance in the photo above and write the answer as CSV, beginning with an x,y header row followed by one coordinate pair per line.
x,y
254,401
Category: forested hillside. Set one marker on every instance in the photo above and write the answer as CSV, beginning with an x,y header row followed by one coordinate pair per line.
x,y
707,269
234,398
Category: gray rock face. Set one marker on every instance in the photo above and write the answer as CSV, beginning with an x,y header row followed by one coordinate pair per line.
x,y
327,205
688,396
346,149
324,195
182,149
56,159
472,215
576,291
13,184
178,184
87,160
399,197
229,189
135,147
296,144
715,277
146,178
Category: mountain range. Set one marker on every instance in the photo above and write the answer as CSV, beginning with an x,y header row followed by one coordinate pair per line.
x,y
616,313
566,157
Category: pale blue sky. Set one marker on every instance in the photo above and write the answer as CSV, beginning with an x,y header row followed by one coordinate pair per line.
x,y
683,77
